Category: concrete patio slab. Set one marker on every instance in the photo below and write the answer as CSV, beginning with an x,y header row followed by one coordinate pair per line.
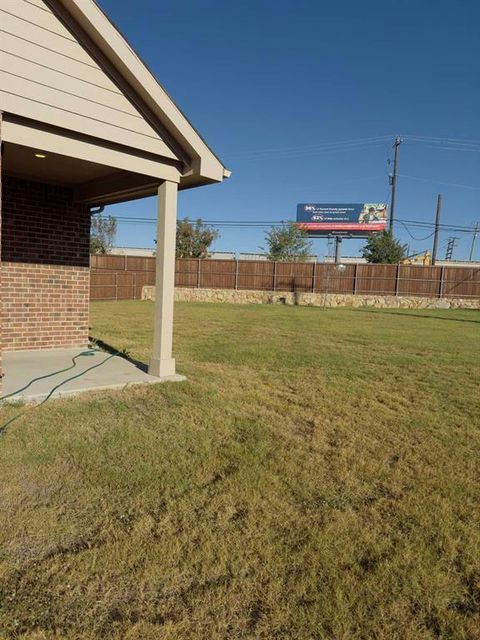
x,y
46,369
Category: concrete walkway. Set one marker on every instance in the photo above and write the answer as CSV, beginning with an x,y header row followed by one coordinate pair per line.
x,y
99,371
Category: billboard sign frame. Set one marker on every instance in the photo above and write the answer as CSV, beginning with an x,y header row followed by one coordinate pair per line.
x,y
340,219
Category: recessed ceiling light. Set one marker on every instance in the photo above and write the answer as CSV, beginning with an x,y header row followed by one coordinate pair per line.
x,y
40,155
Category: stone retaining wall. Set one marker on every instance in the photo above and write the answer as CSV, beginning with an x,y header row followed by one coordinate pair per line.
x,y
313,299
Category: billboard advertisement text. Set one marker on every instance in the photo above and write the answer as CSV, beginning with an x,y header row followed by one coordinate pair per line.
x,y
342,219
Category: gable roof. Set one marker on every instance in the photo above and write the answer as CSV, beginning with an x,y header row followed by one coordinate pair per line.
x,y
202,165
64,65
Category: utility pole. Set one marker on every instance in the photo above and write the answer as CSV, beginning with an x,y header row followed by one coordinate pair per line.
x,y
450,247
338,249
437,224
393,182
474,240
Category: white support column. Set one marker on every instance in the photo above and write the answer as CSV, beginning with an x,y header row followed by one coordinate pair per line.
x,y
162,364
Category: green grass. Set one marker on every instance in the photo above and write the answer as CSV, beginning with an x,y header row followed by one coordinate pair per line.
x,y
317,477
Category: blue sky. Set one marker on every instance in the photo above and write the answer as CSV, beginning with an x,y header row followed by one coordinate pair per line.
x,y
271,83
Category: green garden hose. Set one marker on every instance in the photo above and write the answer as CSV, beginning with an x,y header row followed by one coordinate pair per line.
x,y
90,352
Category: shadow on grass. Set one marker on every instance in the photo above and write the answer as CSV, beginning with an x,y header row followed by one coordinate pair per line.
x,y
416,315
122,353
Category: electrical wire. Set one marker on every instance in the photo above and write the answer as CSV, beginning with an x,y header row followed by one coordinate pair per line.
x,y
309,149
444,140
451,227
444,145
412,236
352,144
447,143
252,224
448,184
456,144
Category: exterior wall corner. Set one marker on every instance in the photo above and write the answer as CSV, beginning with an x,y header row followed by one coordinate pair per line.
x,y
45,267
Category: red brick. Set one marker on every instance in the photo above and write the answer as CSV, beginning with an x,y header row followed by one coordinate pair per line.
x,y
45,266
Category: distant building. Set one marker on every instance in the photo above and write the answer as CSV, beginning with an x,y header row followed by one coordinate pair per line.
x,y
263,256
252,256
345,260
457,263
222,255
140,252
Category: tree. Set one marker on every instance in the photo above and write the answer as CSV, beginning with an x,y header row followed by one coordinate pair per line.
x,y
287,242
102,233
194,238
384,249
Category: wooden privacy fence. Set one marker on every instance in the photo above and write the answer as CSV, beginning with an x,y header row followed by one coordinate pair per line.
x,y
120,277
123,277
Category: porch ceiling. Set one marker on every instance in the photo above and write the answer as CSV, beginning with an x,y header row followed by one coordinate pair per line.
x,y
54,168
93,183
101,173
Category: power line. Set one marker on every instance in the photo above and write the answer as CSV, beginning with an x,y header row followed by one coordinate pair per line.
x,y
302,149
451,227
462,142
270,223
412,236
425,144
327,145
296,151
262,223
279,155
449,184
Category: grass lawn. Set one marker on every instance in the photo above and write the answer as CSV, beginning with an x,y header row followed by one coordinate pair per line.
x,y
317,477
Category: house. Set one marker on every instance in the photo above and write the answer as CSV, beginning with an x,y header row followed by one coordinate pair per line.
x,y
83,123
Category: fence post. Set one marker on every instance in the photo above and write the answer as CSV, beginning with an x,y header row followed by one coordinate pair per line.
x,y
236,275
125,262
116,286
274,275
355,279
198,274
442,281
397,279
134,285
314,275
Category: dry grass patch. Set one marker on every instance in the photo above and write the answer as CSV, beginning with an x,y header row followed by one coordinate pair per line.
x,y
315,477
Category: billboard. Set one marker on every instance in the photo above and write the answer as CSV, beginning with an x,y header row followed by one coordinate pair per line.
x,y
342,219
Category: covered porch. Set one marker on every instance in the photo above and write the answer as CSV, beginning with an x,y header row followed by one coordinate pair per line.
x,y
83,124
48,200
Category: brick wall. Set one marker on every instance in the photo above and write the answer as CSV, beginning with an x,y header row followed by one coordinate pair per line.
x,y
45,267
44,306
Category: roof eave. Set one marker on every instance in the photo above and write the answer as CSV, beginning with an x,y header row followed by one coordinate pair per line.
x,y
198,176
204,164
